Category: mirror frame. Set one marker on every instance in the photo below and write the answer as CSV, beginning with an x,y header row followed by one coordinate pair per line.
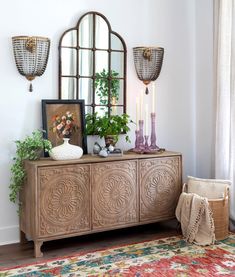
x,y
93,105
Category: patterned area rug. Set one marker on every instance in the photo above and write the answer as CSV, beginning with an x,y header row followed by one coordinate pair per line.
x,y
163,257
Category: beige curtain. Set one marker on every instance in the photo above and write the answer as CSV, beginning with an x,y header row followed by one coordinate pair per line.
x,y
225,95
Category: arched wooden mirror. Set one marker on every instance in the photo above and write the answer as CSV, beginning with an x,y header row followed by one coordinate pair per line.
x,y
92,65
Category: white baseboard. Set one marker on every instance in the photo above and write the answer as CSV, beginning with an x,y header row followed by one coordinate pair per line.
x,y
9,234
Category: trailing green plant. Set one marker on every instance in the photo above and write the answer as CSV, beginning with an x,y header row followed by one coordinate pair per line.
x,y
102,80
104,126
28,149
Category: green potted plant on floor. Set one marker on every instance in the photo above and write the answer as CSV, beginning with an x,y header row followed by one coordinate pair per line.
x,y
30,148
108,126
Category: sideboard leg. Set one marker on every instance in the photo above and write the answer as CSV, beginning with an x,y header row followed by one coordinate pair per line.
x,y
23,237
37,249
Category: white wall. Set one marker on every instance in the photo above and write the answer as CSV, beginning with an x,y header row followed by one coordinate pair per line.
x,y
167,23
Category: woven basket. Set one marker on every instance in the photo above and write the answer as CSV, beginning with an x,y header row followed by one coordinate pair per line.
x,y
220,211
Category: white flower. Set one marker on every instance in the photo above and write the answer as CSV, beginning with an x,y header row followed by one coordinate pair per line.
x,y
59,126
65,132
68,121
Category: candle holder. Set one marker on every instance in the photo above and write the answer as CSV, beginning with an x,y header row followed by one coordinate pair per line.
x,y
136,140
141,136
146,146
153,145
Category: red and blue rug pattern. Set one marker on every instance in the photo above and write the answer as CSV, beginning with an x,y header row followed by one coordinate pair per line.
x,y
168,257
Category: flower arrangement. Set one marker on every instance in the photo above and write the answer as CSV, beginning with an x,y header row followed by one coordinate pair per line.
x,y
64,125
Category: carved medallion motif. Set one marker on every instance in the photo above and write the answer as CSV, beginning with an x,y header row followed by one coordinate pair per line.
x,y
64,200
114,193
159,187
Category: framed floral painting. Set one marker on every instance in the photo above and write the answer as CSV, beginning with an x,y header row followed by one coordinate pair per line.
x,y
64,119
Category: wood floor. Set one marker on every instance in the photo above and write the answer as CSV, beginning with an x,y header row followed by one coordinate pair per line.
x,y
17,254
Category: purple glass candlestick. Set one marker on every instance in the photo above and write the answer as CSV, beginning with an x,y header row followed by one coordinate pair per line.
x,y
136,140
146,145
153,145
141,136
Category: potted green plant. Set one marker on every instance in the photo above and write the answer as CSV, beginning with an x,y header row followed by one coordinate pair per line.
x,y
108,126
30,148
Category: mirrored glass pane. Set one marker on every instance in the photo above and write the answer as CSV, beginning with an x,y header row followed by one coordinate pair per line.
x,y
101,91
85,63
88,109
116,110
117,63
69,61
101,61
101,33
116,43
70,39
85,90
86,31
117,92
101,110
68,88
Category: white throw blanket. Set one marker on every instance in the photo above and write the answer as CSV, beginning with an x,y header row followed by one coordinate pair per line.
x,y
195,216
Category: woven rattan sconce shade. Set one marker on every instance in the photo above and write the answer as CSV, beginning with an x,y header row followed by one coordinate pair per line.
x,y
148,63
31,55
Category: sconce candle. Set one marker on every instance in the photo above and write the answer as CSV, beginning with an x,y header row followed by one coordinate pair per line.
x,y
146,119
137,112
153,98
141,104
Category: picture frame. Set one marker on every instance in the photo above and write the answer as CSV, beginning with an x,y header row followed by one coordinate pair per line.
x,y
51,108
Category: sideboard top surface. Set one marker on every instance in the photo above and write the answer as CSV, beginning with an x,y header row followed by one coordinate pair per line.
x,y
88,158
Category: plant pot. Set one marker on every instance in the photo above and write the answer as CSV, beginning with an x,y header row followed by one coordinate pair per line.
x,y
110,140
66,151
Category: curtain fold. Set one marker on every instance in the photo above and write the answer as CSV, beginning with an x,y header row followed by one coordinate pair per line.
x,y
225,96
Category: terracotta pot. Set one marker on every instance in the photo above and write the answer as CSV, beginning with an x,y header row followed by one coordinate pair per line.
x,y
110,140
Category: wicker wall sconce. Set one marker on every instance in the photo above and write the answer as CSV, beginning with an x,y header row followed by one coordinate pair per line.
x,y
148,63
31,56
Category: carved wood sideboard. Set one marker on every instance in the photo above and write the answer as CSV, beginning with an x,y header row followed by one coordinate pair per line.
x,y
74,197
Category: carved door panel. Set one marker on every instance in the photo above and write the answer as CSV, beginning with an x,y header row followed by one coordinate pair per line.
x,y
160,187
114,194
63,200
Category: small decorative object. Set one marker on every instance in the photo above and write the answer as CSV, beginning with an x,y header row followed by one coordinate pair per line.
x,y
115,152
66,151
64,125
111,148
96,148
106,150
31,56
148,63
103,153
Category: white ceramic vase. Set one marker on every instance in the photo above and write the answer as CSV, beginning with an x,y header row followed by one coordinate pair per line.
x,y
66,151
